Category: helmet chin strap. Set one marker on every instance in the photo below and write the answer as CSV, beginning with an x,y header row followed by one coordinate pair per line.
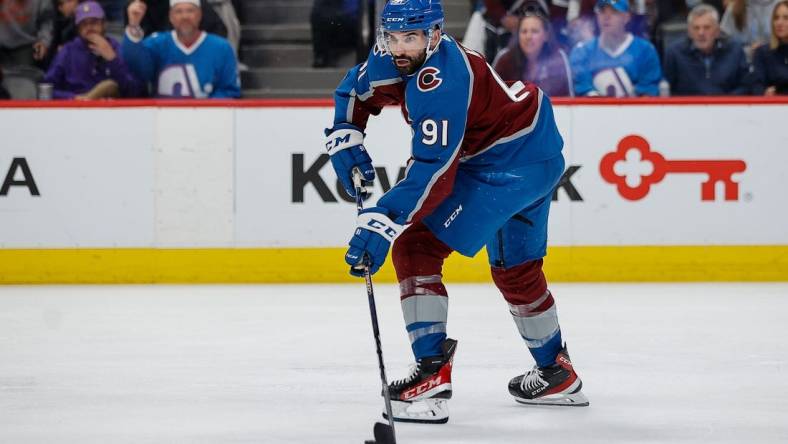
x,y
429,50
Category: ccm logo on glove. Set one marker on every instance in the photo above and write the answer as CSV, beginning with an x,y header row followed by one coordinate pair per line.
x,y
380,224
343,139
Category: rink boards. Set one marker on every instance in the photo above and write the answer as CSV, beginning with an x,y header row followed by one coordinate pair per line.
x,y
243,192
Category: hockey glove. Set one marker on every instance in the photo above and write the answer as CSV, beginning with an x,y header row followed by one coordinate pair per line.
x,y
344,145
371,241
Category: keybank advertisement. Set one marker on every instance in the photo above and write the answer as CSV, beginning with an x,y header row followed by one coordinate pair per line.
x,y
259,177
636,175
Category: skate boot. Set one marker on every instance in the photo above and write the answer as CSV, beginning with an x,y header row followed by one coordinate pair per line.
x,y
557,384
421,397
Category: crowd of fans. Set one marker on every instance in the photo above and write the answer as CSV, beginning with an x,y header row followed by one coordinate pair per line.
x,y
612,47
165,48
189,48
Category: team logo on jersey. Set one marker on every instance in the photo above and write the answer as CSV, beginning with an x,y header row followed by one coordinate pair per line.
x,y
182,81
428,79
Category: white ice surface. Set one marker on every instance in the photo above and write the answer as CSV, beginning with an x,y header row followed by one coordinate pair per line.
x,y
680,363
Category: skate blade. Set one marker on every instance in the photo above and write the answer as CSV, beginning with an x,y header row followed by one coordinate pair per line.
x,y
568,400
425,411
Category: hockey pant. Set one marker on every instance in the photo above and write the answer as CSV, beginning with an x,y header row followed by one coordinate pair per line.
x,y
516,243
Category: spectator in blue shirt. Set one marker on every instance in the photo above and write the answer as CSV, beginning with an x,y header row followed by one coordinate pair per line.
x,y
89,66
706,63
616,63
185,62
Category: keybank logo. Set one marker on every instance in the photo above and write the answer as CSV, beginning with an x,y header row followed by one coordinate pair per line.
x,y
310,175
650,168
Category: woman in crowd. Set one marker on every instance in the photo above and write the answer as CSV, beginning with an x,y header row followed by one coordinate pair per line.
x,y
771,61
534,55
748,22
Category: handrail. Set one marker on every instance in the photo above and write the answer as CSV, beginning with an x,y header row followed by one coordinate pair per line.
x,y
321,102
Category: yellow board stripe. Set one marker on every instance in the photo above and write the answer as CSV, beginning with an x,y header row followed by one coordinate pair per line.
x,y
324,265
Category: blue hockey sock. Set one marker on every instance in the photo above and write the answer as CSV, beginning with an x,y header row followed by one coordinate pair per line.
x,y
545,354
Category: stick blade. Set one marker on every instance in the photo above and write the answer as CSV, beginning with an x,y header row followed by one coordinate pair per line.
x,y
384,434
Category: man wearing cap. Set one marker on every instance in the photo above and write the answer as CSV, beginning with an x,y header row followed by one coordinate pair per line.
x,y
89,66
185,62
616,63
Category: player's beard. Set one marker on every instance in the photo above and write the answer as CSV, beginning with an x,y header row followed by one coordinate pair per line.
x,y
413,65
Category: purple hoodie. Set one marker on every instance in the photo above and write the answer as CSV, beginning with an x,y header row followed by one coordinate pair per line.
x,y
76,70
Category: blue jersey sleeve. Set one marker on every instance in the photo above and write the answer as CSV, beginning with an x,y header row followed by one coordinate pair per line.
x,y
650,71
228,83
438,101
140,56
366,89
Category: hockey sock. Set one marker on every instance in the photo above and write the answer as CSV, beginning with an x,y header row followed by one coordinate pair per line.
x,y
418,259
545,354
532,307
425,312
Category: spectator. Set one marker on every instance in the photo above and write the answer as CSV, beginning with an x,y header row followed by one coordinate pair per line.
x,y
705,63
64,28
157,19
670,20
771,61
89,65
187,62
616,63
502,18
748,22
535,56
335,29
574,20
25,31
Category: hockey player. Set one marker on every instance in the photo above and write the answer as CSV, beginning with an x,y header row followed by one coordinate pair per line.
x,y
186,62
484,161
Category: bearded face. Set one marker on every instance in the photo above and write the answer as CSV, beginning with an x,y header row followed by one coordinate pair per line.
x,y
408,48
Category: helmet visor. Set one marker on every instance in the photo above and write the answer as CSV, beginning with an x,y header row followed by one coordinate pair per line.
x,y
399,42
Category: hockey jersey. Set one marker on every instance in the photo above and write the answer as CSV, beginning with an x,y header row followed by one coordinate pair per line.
x,y
462,115
206,69
632,70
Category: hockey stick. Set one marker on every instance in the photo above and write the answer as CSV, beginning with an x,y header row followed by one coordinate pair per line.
x,y
384,433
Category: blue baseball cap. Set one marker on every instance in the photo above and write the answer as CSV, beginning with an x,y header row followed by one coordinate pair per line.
x,y
618,5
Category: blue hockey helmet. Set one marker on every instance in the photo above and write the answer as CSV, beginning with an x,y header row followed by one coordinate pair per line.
x,y
410,15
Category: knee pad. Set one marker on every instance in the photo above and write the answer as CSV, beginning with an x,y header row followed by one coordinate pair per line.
x,y
418,260
524,287
532,307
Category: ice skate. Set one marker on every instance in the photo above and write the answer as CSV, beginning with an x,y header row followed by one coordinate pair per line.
x,y
422,396
557,384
